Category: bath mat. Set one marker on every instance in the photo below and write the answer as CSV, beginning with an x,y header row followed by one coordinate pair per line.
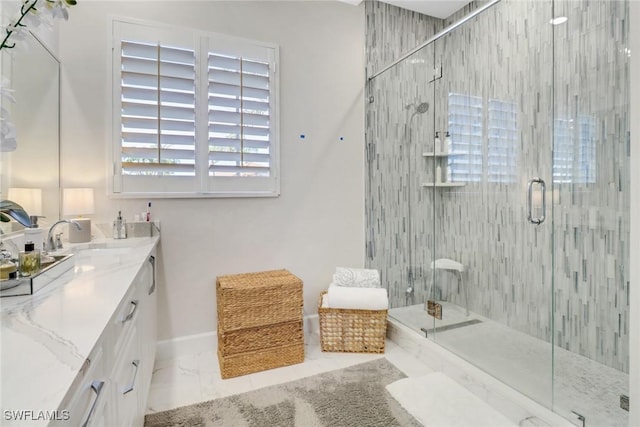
x,y
354,396
437,400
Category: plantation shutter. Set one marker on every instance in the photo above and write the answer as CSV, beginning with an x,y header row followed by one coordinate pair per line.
x,y
466,131
574,150
239,116
158,109
502,156
194,114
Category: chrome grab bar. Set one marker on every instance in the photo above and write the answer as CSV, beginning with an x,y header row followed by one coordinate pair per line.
x,y
539,220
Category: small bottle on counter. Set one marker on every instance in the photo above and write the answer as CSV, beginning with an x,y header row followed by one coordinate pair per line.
x,y
36,236
119,227
7,269
29,260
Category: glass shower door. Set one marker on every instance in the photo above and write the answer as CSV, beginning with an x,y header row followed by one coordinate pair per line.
x,y
399,216
591,188
492,262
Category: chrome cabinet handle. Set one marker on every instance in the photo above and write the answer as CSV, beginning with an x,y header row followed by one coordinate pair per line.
x,y
539,220
96,386
135,363
152,260
134,303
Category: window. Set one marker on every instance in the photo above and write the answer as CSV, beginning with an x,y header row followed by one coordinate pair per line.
x,y
194,113
465,129
467,133
574,150
502,141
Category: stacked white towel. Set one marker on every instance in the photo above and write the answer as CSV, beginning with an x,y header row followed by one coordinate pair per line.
x,y
357,289
357,298
356,277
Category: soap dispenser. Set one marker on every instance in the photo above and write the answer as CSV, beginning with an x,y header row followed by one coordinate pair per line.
x,y
119,227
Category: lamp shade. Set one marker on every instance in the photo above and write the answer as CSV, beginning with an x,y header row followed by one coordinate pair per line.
x,y
77,201
29,198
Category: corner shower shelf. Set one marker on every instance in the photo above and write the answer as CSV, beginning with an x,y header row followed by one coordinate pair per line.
x,y
443,184
432,154
440,154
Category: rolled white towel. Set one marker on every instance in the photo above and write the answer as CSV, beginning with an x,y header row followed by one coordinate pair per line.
x,y
357,298
356,277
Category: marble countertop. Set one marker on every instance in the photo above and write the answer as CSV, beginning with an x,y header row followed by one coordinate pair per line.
x,y
46,337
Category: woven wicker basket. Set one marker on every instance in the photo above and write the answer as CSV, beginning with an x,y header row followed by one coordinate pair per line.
x,y
258,299
260,360
352,331
268,336
259,322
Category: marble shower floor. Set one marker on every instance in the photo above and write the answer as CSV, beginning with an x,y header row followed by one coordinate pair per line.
x,y
194,378
524,363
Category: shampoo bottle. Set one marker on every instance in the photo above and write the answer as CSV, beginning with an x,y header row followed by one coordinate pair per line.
x,y
437,144
438,174
447,143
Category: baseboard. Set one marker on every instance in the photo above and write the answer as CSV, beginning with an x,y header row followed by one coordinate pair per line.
x,y
205,342
186,345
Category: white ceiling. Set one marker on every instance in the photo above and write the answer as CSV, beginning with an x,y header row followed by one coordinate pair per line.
x,y
438,8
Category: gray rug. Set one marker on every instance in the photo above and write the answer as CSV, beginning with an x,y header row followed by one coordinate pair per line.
x,y
354,396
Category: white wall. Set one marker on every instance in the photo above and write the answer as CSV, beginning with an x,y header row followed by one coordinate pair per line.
x,y
634,356
318,221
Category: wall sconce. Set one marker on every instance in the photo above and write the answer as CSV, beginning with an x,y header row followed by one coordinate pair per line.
x,y
31,201
78,201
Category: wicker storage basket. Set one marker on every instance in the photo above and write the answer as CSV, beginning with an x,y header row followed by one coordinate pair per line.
x,y
352,331
260,337
258,299
259,322
254,361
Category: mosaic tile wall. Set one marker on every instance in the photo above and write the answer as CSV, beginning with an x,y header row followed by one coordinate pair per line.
x,y
507,54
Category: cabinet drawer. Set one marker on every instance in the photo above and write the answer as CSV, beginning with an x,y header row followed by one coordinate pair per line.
x,y
126,379
86,400
125,318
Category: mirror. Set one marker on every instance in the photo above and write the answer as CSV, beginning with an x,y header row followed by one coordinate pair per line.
x,y
33,73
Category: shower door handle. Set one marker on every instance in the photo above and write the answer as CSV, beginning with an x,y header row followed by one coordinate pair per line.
x,y
540,219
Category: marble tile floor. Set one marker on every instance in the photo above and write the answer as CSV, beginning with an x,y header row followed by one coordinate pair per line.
x,y
193,378
523,362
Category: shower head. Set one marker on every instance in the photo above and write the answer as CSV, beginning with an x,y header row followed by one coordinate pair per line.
x,y
421,108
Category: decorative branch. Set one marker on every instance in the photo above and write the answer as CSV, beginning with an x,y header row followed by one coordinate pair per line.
x,y
57,8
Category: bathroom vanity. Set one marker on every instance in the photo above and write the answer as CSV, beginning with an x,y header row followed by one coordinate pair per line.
x,y
81,350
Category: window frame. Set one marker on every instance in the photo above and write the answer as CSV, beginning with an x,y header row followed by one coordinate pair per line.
x,y
201,185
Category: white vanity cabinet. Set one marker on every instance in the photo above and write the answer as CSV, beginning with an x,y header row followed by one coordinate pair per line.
x,y
136,345
114,389
89,402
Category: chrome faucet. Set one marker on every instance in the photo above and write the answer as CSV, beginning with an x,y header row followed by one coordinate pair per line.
x,y
52,245
15,211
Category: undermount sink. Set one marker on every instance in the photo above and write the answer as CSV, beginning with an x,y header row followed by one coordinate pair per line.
x,y
53,267
102,251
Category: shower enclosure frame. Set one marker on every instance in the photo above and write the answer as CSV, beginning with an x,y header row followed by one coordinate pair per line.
x,y
529,193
